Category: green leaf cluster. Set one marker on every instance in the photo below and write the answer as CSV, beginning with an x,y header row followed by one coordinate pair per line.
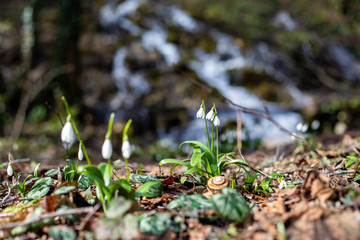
x,y
204,162
353,160
106,190
265,184
40,188
118,222
228,205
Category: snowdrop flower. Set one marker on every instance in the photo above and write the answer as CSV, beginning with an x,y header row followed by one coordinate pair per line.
x,y
210,115
216,121
200,113
126,149
282,184
80,154
10,170
68,135
106,149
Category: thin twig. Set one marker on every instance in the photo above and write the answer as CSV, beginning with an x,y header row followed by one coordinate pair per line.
x,y
8,195
17,199
55,112
266,115
339,172
88,216
358,164
73,211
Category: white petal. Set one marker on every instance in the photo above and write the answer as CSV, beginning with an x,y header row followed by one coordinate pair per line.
x,y
10,170
106,149
210,115
80,155
68,135
200,113
126,149
282,184
216,121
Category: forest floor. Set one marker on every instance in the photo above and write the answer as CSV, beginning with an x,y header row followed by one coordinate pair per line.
x,y
318,202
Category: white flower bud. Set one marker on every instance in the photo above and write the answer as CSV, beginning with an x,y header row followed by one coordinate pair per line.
x,y
106,149
210,115
126,149
80,154
10,170
68,135
282,184
216,121
200,113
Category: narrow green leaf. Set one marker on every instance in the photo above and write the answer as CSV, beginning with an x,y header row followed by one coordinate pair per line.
x,y
108,174
51,172
352,160
265,185
193,170
203,147
102,167
357,178
195,158
36,170
95,174
122,188
176,161
72,164
183,179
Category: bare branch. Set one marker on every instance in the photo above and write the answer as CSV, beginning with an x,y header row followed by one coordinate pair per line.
x,y
8,195
265,115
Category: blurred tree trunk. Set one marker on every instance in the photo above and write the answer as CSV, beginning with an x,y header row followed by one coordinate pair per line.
x,y
67,45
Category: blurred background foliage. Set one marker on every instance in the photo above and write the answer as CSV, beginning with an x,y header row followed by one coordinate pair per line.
x,y
54,48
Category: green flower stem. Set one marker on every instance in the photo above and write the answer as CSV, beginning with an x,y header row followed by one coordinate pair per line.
x,y
126,138
110,126
77,162
109,131
207,132
217,144
76,130
127,170
20,186
126,128
212,136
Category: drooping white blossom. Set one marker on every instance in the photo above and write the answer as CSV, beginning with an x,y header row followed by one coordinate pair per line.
x,y
126,149
80,154
68,136
200,113
106,149
282,184
10,170
210,115
216,121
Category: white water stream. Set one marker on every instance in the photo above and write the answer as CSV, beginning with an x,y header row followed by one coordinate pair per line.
x,y
210,67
